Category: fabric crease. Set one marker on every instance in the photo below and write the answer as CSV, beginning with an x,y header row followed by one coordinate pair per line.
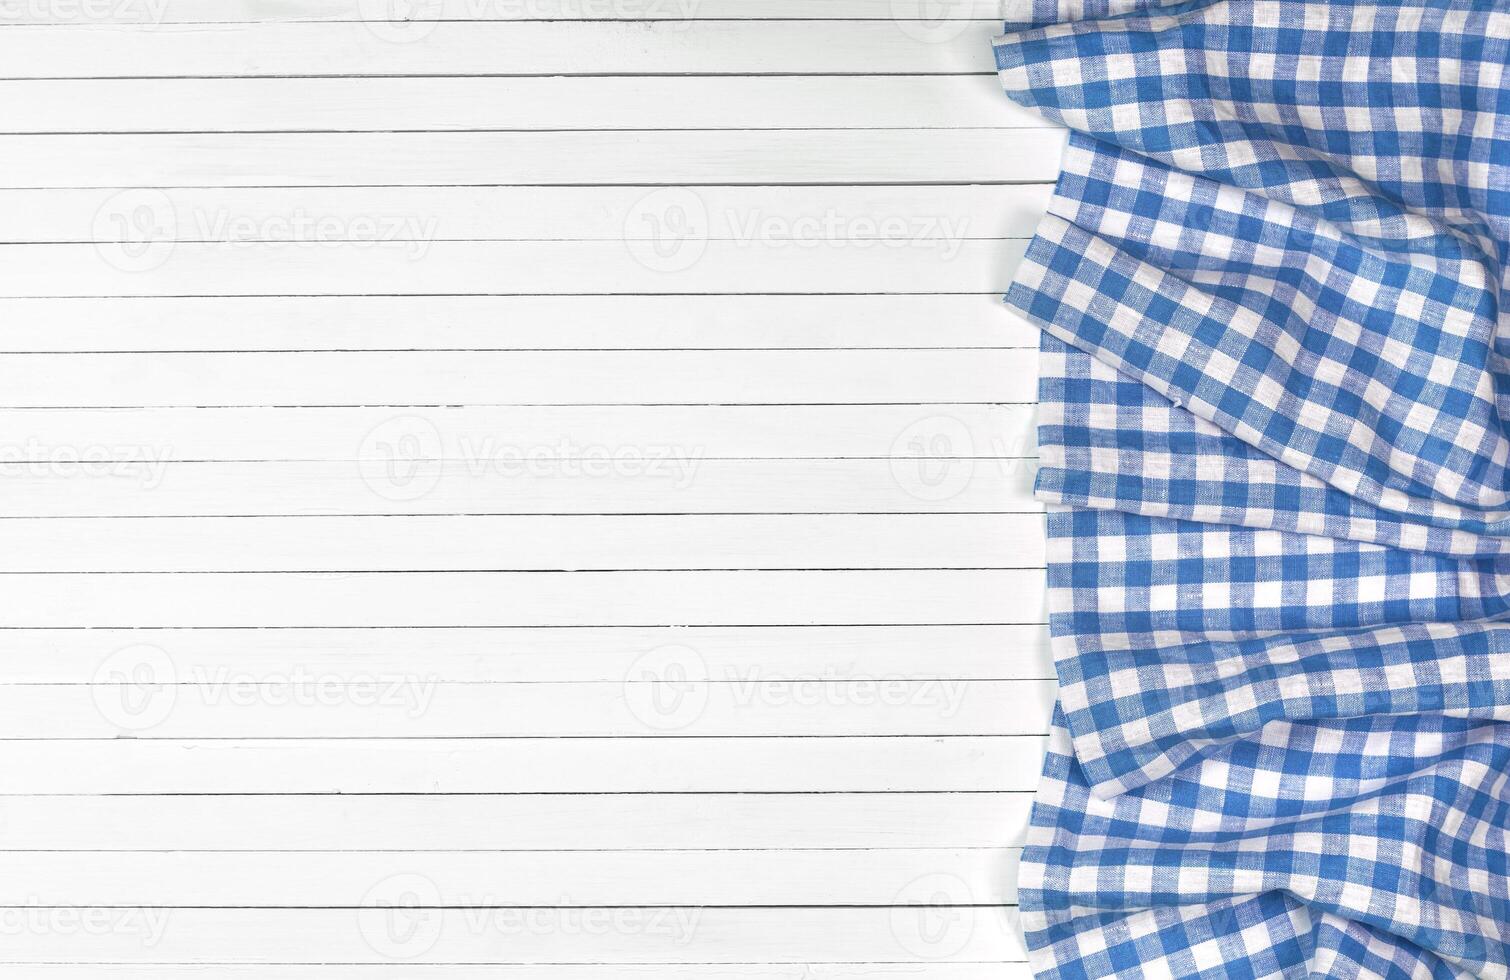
x,y
1275,446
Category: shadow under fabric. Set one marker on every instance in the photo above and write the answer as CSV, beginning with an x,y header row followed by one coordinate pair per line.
x,y
1274,392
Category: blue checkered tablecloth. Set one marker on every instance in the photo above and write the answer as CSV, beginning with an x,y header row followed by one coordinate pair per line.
x,y
1275,451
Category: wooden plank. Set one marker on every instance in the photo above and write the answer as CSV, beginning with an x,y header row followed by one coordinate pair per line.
x,y
525,599
816,156
459,268
63,486
282,105
510,323
668,443
272,48
137,693
732,879
520,655
802,216
587,823
380,15
617,971
583,820
136,767
518,378
558,543
383,931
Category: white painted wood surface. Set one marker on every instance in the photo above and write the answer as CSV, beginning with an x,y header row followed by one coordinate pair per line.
x,y
515,489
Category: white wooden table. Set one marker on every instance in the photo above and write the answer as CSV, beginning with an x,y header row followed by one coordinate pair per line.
x,y
541,490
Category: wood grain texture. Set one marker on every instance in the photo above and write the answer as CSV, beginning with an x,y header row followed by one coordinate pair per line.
x,y
427,323
528,489
652,701
318,544
66,482
284,105
853,877
671,157
377,15
525,378
525,655
649,823
383,931
805,217
677,265
145,767
458,48
618,971
669,442
775,598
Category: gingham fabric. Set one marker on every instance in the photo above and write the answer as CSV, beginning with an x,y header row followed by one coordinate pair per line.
x,y
1273,383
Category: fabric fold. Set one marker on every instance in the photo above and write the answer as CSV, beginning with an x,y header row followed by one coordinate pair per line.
x,y
1274,381
1213,239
